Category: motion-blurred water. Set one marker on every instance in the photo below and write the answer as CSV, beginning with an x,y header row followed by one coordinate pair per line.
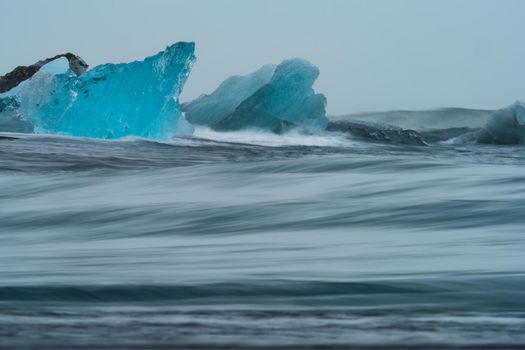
x,y
251,240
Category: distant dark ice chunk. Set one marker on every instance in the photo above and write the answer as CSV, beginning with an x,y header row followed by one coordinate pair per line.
x,y
378,132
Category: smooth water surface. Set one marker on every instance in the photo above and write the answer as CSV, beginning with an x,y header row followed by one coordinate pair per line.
x,y
252,240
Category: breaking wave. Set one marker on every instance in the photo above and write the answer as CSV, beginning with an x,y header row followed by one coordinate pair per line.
x,y
269,139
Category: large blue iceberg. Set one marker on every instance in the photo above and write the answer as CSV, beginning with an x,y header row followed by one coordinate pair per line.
x,y
111,100
505,126
274,99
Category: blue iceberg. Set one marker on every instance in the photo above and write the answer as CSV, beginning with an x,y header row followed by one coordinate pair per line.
x,y
112,100
505,126
59,95
281,100
378,132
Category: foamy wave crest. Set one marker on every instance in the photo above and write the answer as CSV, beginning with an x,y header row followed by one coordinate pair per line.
x,y
264,138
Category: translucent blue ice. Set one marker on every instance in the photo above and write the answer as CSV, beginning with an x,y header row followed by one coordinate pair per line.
x,y
277,101
505,126
112,100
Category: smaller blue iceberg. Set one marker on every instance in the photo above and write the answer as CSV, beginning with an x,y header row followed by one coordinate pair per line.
x,y
108,101
273,98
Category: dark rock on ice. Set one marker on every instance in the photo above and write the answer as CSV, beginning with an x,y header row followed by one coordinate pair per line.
x,y
22,73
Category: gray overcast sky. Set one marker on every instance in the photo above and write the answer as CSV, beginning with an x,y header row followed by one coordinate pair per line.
x,y
373,54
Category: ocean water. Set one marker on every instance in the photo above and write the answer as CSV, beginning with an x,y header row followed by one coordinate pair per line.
x,y
251,240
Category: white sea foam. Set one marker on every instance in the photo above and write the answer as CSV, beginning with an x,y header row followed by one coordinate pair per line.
x,y
262,138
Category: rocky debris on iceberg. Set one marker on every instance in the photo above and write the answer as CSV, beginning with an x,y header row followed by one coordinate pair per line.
x,y
505,126
112,100
15,81
22,73
282,99
378,132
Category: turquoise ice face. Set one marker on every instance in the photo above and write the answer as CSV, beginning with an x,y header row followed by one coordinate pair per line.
x,y
210,109
113,100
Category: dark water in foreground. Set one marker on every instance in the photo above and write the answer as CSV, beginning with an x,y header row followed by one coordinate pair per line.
x,y
297,242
